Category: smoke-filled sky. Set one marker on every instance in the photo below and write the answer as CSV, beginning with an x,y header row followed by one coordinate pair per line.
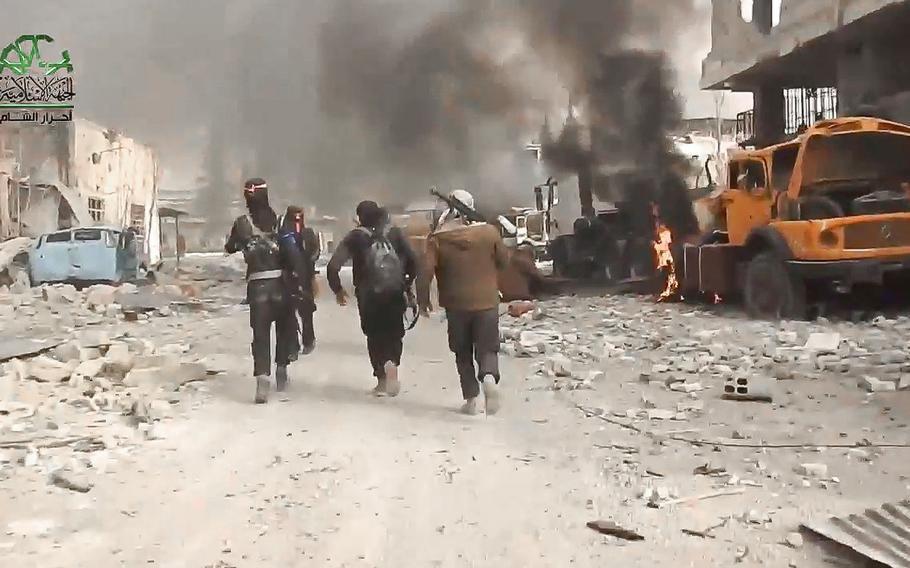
x,y
333,100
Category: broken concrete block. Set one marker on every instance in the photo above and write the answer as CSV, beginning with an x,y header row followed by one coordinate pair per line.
x,y
749,388
659,414
519,308
92,338
172,374
823,342
90,369
66,479
100,295
904,382
595,376
60,294
559,365
159,409
66,352
118,361
872,384
812,469
46,370
686,387
794,540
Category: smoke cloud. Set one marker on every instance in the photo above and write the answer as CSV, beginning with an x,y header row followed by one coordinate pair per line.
x,y
333,101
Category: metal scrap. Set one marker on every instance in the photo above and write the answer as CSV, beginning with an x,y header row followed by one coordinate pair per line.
x,y
881,534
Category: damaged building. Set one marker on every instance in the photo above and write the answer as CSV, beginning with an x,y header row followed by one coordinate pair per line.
x,y
77,174
808,60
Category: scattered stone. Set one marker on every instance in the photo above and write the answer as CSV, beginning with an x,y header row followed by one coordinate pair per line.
x,y
71,481
872,384
686,387
100,295
812,469
823,342
794,540
518,309
659,414
60,294
904,383
559,365
90,369
46,370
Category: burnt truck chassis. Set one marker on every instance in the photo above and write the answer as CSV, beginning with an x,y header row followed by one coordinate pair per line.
x,y
604,248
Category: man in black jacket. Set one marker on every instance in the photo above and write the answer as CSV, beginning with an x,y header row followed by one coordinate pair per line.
x,y
381,307
267,258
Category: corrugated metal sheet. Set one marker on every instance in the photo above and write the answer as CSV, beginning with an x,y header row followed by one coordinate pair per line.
x,y
881,534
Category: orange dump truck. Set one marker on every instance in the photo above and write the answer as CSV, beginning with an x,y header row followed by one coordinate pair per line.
x,y
829,210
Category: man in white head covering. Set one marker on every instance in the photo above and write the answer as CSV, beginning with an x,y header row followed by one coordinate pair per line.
x,y
465,258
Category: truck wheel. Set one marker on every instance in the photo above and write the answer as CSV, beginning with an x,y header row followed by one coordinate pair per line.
x,y
771,292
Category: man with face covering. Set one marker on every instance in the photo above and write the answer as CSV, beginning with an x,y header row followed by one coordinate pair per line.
x,y
268,258
302,285
384,267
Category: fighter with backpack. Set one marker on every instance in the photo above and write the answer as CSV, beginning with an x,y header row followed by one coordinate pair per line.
x,y
384,268
268,258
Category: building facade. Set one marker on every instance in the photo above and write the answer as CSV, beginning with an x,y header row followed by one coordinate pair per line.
x,y
77,174
807,60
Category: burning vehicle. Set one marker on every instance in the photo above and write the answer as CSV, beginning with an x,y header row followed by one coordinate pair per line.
x,y
826,212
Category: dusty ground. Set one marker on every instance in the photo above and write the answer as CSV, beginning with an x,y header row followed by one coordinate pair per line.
x,y
328,476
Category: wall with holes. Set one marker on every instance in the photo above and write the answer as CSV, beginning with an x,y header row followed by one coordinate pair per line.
x,y
120,181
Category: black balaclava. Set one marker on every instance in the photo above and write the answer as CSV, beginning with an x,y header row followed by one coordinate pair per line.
x,y
256,194
370,214
293,219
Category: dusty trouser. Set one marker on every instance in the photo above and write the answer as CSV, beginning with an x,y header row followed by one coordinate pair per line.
x,y
269,304
382,322
304,330
474,336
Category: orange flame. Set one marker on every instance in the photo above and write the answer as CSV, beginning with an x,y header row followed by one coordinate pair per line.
x,y
663,238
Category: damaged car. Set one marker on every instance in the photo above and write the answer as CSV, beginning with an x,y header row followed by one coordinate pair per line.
x,y
85,256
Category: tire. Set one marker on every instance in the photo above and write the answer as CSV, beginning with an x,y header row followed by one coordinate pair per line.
x,y
771,291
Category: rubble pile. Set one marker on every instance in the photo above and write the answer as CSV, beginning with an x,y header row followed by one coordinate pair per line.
x,y
52,405
85,375
685,349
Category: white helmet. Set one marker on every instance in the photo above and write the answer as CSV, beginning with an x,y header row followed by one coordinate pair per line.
x,y
463,196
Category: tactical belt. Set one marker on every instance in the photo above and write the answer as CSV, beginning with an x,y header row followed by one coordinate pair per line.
x,y
265,275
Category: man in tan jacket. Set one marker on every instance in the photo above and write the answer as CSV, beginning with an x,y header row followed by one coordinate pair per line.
x,y
465,258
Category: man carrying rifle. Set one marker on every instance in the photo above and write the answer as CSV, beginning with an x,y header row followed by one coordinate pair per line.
x,y
464,253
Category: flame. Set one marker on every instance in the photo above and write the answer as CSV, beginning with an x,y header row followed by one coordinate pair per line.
x,y
717,299
663,238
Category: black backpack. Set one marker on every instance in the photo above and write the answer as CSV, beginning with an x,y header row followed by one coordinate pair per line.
x,y
384,270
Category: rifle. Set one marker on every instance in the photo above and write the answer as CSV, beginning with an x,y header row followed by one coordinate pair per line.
x,y
466,212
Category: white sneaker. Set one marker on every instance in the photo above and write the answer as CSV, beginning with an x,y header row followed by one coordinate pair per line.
x,y
491,395
392,385
469,407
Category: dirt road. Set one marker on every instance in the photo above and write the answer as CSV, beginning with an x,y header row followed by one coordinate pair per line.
x,y
326,475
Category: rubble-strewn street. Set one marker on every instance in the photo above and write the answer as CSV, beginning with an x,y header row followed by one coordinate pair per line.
x,y
135,442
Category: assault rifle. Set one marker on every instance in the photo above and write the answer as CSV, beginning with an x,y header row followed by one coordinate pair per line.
x,y
455,204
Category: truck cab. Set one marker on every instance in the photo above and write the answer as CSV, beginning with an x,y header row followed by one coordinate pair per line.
x,y
830,209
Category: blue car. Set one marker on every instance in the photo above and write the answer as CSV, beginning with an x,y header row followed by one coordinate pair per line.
x,y
83,256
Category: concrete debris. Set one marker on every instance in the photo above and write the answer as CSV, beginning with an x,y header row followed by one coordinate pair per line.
x,y
872,384
794,540
66,479
559,365
812,470
47,370
823,342
100,296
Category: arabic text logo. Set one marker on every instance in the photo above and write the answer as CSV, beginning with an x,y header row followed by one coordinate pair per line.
x,y
34,86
